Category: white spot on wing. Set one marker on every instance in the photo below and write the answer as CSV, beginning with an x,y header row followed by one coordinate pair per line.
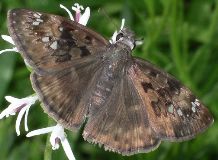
x,y
195,104
36,15
39,20
36,23
54,45
193,107
179,111
170,108
61,29
45,39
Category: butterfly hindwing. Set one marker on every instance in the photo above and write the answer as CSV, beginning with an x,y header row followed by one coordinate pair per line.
x,y
64,94
50,43
174,112
120,123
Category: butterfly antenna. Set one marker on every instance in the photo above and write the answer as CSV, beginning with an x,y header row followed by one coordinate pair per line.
x,y
103,11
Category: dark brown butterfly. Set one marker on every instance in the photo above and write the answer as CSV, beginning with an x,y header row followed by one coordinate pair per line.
x,y
130,105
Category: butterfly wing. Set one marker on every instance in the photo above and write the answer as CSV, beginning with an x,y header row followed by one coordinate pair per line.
x,y
117,118
60,52
174,112
64,95
50,43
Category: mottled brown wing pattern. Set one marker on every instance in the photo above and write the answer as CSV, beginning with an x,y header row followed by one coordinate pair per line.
x,y
64,95
119,120
50,43
174,112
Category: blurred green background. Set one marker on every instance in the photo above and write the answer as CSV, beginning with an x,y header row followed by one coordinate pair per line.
x,y
180,36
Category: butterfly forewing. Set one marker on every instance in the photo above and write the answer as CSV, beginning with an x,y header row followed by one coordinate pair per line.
x,y
174,112
50,43
64,95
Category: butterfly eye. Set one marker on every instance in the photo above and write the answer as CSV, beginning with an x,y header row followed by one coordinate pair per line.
x,y
120,35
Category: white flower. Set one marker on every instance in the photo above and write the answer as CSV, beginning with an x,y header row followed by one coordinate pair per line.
x,y
79,17
113,38
8,39
18,105
57,136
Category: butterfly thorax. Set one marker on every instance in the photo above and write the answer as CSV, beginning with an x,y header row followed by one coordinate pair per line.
x,y
126,39
119,52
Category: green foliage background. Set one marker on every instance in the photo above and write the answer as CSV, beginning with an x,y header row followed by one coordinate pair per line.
x,y
180,36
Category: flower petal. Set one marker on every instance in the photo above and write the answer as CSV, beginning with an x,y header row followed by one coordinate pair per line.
x,y
122,23
139,42
31,99
8,111
77,7
40,131
8,39
9,50
85,17
57,135
25,118
11,99
18,121
113,38
67,149
68,11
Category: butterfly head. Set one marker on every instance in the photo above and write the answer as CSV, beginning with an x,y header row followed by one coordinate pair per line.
x,y
126,37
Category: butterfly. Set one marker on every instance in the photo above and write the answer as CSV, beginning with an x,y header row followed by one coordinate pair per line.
x,y
127,104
